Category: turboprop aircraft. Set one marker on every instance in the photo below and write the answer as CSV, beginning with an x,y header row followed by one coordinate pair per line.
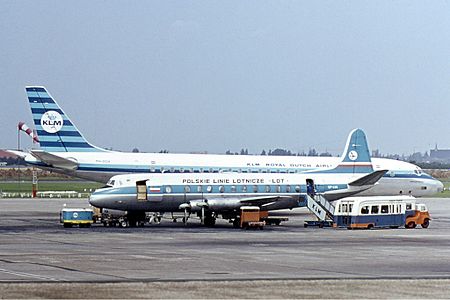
x,y
214,194
63,149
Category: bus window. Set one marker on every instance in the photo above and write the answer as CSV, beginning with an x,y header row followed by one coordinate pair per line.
x,y
384,209
365,210
344,207
374,209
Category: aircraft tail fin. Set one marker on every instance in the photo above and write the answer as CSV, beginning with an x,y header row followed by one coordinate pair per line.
x,y
356,155
55,130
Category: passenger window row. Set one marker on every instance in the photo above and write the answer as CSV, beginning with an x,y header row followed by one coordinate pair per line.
x,y
237,189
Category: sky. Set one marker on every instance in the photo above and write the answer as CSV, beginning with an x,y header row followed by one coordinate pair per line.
x,y
192,76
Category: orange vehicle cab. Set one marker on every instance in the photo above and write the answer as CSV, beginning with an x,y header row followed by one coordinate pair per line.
x,y
417,214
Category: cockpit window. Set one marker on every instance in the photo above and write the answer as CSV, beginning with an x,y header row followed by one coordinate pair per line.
x,y
418,171
111,182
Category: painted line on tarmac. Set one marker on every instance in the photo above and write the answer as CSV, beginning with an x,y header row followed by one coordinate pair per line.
x,y
29,275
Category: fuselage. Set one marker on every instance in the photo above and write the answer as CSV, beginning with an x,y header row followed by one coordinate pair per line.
x,y
221,191
402,178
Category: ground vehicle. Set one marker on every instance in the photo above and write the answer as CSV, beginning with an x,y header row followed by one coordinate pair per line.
x,y
271,220
417,214
76,216
250,217
370,212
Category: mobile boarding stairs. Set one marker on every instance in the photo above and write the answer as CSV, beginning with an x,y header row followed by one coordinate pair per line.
x,y
320,207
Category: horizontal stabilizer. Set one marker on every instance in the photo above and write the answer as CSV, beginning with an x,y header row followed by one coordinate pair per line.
x,y
18,153
54,160
369,179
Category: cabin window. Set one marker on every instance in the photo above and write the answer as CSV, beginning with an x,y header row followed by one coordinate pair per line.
x,y
221,189
162,170
423,187
255,188
181,170
297,188
172,170
244,189
288,189
201,170
233,189
365,210
187,189
384,209
168,189
267,188
199,189
152,170
408,206
278,188
209,189
374,209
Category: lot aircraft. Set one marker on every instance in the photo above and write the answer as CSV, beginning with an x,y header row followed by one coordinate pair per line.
x,y
63,149
213,194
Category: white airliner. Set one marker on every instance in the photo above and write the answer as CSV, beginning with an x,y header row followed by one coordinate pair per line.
x,y
223,194
63,149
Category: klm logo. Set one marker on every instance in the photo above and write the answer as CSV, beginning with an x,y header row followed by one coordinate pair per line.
x,y
52,121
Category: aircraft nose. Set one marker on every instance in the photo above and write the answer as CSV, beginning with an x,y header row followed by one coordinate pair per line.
x,y
440,186
96,199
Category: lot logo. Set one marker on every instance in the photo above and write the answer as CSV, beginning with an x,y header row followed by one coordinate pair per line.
x,y
51,121
353,155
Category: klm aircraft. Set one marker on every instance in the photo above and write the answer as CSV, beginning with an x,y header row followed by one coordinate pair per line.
x,y
223,194
64,149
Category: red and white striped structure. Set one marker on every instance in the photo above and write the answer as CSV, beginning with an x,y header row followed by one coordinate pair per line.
x,y
23,127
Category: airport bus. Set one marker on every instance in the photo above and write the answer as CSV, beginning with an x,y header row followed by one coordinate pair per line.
x,y
380,212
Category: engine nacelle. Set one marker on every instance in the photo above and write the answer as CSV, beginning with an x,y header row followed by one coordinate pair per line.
x,y
215,204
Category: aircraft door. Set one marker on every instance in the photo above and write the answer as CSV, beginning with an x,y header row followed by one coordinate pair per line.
x,y
310,188
141,190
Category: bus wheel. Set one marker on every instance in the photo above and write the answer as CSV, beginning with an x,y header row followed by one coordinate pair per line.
x,y
426,223
411,225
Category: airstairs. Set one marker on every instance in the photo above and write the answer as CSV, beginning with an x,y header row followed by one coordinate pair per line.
x,y
321,207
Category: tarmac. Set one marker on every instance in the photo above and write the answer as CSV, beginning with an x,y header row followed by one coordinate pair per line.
x,y
41,259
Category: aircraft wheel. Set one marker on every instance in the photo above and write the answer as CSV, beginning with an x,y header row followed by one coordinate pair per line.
x,y
426,223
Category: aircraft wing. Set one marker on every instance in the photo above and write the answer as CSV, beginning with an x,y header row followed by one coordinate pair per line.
x,y
369,179
54,160
262,200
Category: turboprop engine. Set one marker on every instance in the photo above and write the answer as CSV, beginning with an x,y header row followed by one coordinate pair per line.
x,y
214,204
